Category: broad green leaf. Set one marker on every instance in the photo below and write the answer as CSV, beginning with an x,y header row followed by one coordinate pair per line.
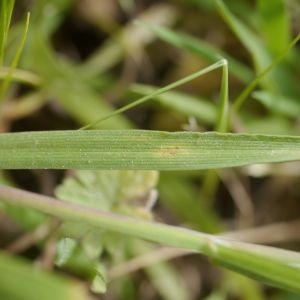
x,y
142,150
105,189
19,280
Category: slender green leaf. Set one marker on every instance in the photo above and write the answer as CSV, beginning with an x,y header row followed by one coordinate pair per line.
x,y
143,150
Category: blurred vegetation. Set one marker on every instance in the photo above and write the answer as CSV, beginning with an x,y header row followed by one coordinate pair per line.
x,y
83,59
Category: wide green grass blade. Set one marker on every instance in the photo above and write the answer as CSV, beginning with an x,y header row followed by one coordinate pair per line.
x,y
19,280
143,150
274,266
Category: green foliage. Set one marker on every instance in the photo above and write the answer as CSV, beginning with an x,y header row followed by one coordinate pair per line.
x,y
104,212
107,189
121,191
142,150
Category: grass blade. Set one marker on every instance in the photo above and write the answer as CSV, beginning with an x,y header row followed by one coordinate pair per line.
x,y
142,150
